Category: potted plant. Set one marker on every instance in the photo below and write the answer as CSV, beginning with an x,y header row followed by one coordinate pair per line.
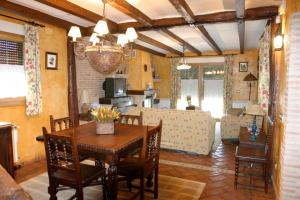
x,y
105,117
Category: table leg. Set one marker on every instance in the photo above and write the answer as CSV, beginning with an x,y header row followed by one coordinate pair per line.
x,y
112,187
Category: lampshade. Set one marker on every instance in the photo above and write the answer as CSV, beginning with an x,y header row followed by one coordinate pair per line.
x,y
84,97
255,109
122,40
131,34
250,77
183,66
74,32
101,28
278,42
94,39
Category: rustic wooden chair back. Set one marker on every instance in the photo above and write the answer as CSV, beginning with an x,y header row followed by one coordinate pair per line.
x,y
151,143
131,119
60,123
61,152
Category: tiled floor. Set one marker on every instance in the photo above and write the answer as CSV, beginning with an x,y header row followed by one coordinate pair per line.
x,y
216,170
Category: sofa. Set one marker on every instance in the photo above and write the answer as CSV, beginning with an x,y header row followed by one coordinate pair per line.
x,y
231,123
186,130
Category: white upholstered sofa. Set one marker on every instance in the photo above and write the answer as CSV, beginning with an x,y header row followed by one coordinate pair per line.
x,y
186,130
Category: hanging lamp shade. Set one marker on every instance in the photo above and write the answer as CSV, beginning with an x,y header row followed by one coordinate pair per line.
x,y
74,32
183,67
122,40
101,28
131,34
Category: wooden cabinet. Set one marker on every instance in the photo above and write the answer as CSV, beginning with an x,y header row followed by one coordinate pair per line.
x,y
6,148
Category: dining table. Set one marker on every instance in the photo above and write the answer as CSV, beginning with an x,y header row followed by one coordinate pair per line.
x,y
109,147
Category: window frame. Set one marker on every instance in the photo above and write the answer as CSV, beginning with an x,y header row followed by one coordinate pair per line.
x,y
13,101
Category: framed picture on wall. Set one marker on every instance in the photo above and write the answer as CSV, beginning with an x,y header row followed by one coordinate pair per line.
x,y
51,60
243,67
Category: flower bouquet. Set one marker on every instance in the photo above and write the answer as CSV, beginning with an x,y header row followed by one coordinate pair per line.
x,y
105,117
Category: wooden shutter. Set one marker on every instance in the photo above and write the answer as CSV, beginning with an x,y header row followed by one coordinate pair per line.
x,y
11,52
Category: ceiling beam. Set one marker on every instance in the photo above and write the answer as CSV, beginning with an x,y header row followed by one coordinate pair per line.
x,y
130,10
179,40
183,8
78,11
142,48
153,42
213,18
240,15
37,15
136,14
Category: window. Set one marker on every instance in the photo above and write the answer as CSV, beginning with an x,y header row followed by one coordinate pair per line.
x,y
189,87
12,75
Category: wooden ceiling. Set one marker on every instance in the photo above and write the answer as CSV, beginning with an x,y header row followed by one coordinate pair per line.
x,y
52,12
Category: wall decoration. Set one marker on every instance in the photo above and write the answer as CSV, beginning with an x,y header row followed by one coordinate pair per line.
x,y
243,66
51,60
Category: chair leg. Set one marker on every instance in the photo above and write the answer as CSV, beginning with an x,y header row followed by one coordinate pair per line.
x,y
266,177
236,173
79,193
142,185
129,185
156,183
52,190
149,182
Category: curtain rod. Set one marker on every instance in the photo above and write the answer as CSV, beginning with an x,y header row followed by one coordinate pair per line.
x,y
22,20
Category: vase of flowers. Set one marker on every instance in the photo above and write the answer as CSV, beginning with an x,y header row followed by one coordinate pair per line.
x,y
105,119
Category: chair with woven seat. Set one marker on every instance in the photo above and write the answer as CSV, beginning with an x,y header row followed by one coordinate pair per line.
x,y
60,124
250,156
64,168
133,120
145,165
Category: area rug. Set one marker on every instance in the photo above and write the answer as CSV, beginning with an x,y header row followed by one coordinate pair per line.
x,y
169,188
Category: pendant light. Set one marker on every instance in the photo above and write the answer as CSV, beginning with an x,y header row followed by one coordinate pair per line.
x,y
183,65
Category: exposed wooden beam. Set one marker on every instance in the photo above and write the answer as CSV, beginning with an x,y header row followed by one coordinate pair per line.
x,y
130,10
220,17
209,40
177,39
37,15
78,11
183,8
153,42
140,47
240,15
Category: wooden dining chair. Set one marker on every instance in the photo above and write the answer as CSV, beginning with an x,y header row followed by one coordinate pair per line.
x,y
248,157
131,119
60,123
145,165
64,168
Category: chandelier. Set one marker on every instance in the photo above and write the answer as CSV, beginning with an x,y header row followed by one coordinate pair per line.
x,y
104,52
182,65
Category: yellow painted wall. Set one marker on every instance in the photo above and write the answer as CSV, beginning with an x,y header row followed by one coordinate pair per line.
x,y
240,87
138,78
292,6
54,92
162,68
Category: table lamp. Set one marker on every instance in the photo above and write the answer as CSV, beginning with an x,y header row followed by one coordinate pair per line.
x,y
255,110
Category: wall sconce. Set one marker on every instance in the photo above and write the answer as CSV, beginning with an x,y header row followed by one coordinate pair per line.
x,y
278,39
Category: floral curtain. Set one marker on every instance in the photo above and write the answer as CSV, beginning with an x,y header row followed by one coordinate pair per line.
x,y
32,71
228,82
175,83
264,68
